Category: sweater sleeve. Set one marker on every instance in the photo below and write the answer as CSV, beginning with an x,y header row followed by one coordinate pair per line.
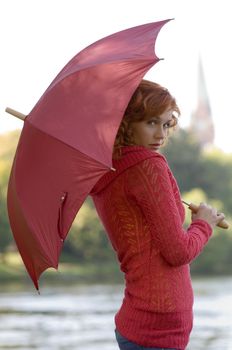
x,y
150,186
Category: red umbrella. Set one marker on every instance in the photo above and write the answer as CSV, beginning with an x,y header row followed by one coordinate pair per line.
x,y
67,141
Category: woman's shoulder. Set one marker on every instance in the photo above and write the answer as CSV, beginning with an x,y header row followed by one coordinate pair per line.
x,y
133,159
136,154
140,164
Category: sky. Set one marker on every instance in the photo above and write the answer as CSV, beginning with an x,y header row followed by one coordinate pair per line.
x,y
38,37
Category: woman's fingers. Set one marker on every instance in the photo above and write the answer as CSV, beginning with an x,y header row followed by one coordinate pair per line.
x,y
220,216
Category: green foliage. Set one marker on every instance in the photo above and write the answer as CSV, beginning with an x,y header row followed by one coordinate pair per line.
x,y
8,143
216,257
184,157
87,239
202,176
210,171
217,179
5,232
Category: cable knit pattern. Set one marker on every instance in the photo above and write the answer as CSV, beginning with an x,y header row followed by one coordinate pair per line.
x,y
141,209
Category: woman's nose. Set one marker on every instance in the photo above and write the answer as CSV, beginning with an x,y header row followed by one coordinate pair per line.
x,y
160,132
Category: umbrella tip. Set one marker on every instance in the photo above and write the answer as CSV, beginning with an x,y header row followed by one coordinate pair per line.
x,y
113,169
36,284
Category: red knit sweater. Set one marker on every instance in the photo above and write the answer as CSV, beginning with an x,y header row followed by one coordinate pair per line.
x,y
140,207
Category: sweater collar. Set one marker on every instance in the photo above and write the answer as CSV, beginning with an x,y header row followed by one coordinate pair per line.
x,y
131,155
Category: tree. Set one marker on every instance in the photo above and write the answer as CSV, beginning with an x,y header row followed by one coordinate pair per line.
x,y
8,144
185,159
216,257
210,171
5,232
87,239
217,179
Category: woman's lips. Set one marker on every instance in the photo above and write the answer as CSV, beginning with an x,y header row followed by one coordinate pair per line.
x,y
155,145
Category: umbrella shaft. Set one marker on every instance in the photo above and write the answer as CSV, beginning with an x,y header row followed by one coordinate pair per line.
x,y
15,113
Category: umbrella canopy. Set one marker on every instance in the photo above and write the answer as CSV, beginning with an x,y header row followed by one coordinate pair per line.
x,y
67,141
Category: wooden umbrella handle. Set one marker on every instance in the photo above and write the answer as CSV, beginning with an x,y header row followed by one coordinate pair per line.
x,y
223,223
15,113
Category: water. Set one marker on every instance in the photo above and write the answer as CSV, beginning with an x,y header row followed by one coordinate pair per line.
x,y
81,317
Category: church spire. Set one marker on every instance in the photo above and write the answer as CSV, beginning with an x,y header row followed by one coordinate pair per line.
x,y
201,120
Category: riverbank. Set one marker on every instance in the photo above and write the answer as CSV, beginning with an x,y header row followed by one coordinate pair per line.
x,y
13,270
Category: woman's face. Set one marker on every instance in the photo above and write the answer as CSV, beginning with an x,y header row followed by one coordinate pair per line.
x,y
151,133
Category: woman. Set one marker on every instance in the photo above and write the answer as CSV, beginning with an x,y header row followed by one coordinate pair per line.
x,y
141,209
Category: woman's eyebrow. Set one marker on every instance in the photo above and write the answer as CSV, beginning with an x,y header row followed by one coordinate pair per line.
x,y
158,119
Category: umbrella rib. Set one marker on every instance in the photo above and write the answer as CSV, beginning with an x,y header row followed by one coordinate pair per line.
x,y
55,138
60,79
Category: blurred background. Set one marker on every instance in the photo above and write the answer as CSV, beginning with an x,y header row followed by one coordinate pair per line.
x,y
77,304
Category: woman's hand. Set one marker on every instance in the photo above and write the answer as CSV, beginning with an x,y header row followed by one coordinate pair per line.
x,y
207,213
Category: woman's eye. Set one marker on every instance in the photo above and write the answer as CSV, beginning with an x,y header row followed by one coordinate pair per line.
x,y
152,122
167,125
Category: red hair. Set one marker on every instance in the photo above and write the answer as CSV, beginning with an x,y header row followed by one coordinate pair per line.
x,y
149,99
